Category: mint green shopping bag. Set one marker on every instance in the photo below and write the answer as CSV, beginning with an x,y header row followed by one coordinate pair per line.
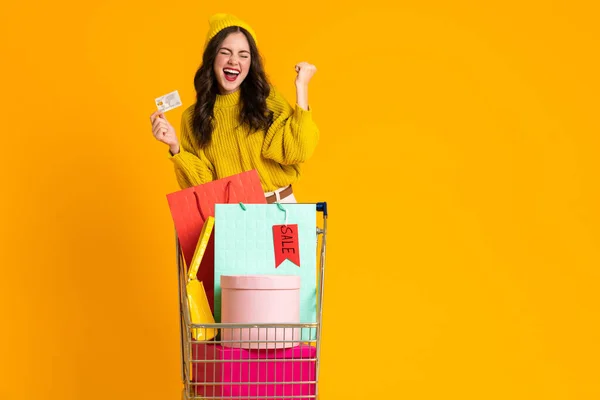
x,y
246,243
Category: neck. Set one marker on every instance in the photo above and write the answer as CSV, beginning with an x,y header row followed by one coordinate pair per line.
x,y
224,92
227,99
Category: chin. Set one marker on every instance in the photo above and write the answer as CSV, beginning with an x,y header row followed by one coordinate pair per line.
x,y
229,87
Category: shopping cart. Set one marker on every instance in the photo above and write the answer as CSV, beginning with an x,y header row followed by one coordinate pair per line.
x,y
281,367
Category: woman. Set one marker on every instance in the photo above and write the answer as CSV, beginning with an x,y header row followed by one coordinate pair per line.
x,y
239,121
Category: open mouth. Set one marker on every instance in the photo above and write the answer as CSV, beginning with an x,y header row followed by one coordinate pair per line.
x,y
231,74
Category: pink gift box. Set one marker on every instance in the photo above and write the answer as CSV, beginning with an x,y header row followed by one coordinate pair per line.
x,y
217,364
255,299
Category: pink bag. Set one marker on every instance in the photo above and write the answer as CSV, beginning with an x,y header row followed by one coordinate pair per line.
x,y
285,373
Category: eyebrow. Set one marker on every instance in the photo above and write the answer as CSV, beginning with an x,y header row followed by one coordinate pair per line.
x,y
228,49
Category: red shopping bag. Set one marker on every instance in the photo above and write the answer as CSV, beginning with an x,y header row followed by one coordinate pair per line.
x,y
192,206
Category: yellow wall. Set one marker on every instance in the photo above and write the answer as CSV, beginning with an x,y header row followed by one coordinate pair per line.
x,y
476,279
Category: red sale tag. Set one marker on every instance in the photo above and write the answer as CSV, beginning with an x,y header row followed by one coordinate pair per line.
x,y
285,240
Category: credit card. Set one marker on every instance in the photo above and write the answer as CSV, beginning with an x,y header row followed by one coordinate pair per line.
x,y
168,101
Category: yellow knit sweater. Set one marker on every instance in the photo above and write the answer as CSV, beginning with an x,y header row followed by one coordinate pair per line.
x,y
275,153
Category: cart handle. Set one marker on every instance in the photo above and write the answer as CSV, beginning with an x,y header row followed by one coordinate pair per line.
x,y
322,207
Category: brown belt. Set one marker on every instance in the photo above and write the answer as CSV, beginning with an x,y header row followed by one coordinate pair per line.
x,y
282,195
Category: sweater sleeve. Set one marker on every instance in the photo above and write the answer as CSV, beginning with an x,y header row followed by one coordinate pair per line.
x,y
293,135
192,168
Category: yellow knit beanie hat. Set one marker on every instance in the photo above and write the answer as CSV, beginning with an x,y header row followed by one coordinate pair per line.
x,y
218,22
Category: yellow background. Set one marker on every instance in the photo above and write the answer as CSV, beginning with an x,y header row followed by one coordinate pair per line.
x,y
458,156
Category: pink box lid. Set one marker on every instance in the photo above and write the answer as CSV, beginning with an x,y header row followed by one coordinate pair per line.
x,y
263,282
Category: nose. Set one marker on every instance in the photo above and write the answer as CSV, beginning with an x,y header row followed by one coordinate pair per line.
x,y
232,60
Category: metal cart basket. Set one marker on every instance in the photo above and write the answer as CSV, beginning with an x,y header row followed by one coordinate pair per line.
x,y
281,369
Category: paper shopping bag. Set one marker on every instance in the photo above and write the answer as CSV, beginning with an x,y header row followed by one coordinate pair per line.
x,y
191,207
269,239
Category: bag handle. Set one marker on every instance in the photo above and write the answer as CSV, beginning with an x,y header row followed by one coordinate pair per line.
x,y
227,191
227,199
199,206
